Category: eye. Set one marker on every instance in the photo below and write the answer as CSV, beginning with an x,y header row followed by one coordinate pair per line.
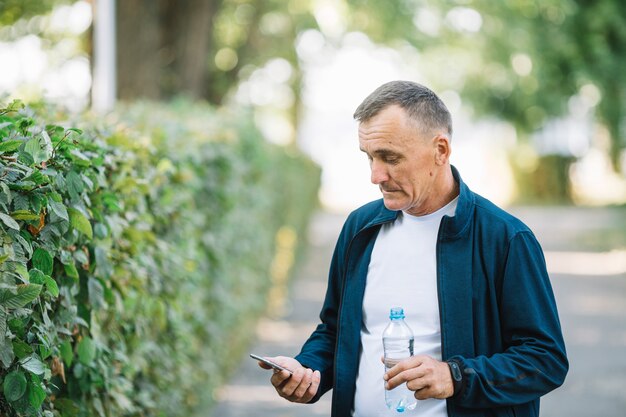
x,y
391,160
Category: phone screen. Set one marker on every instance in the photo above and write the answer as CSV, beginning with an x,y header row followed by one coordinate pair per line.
x,y
270,363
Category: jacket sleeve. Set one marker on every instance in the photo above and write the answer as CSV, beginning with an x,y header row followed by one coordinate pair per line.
x,y
318,352
534,361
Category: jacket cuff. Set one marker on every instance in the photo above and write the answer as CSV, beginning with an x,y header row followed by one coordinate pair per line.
x,y
459,379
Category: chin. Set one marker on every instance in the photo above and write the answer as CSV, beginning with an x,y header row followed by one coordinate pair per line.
x,y
393,205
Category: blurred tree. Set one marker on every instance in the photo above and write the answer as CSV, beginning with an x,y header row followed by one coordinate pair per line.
x,y
201,48
520,60
13,10
539,53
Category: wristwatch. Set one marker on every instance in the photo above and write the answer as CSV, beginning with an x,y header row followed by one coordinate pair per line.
x,y
457,376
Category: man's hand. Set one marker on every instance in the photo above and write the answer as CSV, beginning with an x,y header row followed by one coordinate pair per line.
x,y
428,377
300,387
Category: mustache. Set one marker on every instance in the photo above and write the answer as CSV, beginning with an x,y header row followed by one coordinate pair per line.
x,y
387,189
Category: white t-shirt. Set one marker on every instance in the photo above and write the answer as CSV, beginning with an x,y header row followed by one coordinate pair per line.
x,y
402,273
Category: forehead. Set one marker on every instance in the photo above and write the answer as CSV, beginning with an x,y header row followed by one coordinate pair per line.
x,y
391,126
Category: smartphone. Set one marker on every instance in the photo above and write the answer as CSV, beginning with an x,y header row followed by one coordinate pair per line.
x,y
270,363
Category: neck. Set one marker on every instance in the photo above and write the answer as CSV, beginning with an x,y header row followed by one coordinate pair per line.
x,y
445,189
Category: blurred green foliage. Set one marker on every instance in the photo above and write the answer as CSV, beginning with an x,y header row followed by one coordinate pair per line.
x,y
135,254
13,10
520,60
570,44
523,61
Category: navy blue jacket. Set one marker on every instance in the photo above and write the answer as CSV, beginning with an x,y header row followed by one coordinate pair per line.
x,y
499,319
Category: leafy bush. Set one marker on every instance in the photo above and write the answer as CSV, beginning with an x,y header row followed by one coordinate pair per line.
x,y
134,253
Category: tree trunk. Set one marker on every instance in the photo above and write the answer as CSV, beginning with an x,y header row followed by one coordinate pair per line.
x,y
164,47
138,49
188,32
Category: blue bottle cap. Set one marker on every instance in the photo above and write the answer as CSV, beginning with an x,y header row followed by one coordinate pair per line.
x,y
396,313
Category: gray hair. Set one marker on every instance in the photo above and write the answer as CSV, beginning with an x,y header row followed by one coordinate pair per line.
x,y
421,104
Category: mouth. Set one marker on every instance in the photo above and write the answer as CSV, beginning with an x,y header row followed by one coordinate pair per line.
x,y
388,191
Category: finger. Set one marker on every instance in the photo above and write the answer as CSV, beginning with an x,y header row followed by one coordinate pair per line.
x,y
279,378
413,375
315,383
424,393
304,385
418,381
292,383
412,362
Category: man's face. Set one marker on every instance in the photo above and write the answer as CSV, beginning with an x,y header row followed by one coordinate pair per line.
x,y
403,164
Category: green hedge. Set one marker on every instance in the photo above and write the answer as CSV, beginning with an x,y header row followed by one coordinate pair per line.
x,y
136,253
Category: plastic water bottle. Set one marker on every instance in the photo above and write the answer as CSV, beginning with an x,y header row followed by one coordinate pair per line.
x,y
398,345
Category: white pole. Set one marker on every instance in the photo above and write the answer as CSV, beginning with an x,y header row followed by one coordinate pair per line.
x,y
104,73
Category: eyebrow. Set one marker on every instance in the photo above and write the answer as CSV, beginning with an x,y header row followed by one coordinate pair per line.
x,y
383,152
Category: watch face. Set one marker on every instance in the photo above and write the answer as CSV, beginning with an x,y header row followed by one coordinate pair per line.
x,y
456,372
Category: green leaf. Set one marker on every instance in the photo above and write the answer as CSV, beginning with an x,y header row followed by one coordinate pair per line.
x,y
59,209
86,350
52,286
43,261
33,364
26,159
66,353
22,271
37,177
25,244
96,292
6,347
54,196
80,222
3,324
67,407
36,394
3,258
14,385
70,270
74,185
15,105
25,294
34,148
36,276
21,348
44,352
24,215
8,220
7,192
100,230
80,159
6,353
10,145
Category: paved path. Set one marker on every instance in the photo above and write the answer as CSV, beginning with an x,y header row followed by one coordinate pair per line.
x,y
589,282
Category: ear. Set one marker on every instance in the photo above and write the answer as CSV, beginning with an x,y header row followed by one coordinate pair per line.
x,y
442,149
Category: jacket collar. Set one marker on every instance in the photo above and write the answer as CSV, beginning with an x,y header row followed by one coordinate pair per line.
x,y
452,227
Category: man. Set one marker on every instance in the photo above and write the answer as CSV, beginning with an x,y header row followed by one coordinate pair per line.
x,y
471,278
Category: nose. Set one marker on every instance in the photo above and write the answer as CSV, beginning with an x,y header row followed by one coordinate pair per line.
x,y
379,173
